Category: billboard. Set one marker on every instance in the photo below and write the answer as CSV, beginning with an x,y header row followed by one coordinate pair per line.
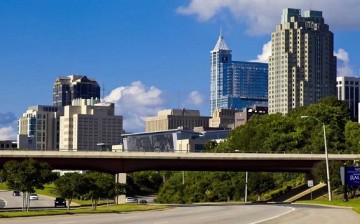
x,y
352,176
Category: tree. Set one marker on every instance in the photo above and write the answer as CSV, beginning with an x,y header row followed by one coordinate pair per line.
x,y
352,133
26,176
71,185
102,185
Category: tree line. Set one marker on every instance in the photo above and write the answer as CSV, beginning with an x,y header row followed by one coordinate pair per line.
x,y
28,175
272,133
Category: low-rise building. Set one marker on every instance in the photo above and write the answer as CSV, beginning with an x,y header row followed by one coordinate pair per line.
x,y
223,118
175,118
175,140
243,116
7,145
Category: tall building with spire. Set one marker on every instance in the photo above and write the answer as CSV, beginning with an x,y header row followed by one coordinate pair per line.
x,y
235,84
302,66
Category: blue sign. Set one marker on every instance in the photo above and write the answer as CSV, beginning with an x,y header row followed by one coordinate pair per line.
x,y
353,176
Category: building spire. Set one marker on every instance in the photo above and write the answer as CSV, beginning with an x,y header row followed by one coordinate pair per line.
x,y
221,44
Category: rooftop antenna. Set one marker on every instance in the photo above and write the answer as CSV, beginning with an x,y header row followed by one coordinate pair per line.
x,y
310,4
220,31
103,92
178,99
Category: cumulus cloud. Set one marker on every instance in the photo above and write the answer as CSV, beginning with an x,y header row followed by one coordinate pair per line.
x,y
7,118
261,16
8,133
264,56
135,103
343,68
195,98
138,101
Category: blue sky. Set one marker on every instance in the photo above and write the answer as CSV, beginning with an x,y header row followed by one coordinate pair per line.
x,y
149,55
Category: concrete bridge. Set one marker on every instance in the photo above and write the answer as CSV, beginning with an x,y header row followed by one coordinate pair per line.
x,y
127,162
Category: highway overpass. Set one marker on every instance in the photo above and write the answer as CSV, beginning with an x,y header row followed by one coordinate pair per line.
x,y
127,162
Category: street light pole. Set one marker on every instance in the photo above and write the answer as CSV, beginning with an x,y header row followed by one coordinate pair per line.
x,y
326,155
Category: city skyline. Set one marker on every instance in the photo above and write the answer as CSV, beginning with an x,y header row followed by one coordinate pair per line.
x,y
144,63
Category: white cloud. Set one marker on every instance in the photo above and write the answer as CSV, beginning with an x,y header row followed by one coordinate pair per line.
x,y
7,133
261,16
195,98
343,63
135,103
266,53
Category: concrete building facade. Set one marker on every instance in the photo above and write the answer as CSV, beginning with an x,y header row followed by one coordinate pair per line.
x,y
348,90
39,128
302,66
89,125
223,118
235,84
174,119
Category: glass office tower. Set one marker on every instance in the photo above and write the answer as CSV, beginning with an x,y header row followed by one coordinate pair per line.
x,y
235,84
74,87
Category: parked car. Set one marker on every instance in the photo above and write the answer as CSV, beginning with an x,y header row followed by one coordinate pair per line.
x,y
59,202
131,200
143,201
16,193
34,196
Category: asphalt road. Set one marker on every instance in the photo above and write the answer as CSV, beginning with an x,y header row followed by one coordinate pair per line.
x,y
209,214
7,200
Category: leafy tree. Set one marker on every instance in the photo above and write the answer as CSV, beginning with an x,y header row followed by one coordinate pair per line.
x,y
146,181
71,185
260,183
320,175
26,176
102,185
211,146
352,133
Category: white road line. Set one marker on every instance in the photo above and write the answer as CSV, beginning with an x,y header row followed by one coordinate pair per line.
x,y
274,217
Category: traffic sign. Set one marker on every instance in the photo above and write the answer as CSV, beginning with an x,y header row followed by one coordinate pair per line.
x,y
353,176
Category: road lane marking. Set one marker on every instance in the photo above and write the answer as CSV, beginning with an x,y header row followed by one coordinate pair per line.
x,y
274,217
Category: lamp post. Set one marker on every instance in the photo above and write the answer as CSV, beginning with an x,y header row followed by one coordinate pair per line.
x,y
326,154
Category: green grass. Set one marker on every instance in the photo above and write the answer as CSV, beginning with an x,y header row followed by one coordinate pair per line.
x,y
353,203
100,209
3,186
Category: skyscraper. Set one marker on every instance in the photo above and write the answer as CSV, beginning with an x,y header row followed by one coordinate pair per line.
x,y
302,66
235,84
348,89
74,87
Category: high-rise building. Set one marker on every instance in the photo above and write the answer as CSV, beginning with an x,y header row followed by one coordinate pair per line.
x,y
235,84
89,125
348,90
302,66
39,128
175,118
74,87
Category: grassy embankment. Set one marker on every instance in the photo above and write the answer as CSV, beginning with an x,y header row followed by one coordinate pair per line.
x,y
100,209
353,203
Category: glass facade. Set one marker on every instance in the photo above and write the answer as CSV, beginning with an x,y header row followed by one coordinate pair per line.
x,y
74,87
236,84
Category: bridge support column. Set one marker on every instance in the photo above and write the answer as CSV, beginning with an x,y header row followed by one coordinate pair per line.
x,y
120,178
